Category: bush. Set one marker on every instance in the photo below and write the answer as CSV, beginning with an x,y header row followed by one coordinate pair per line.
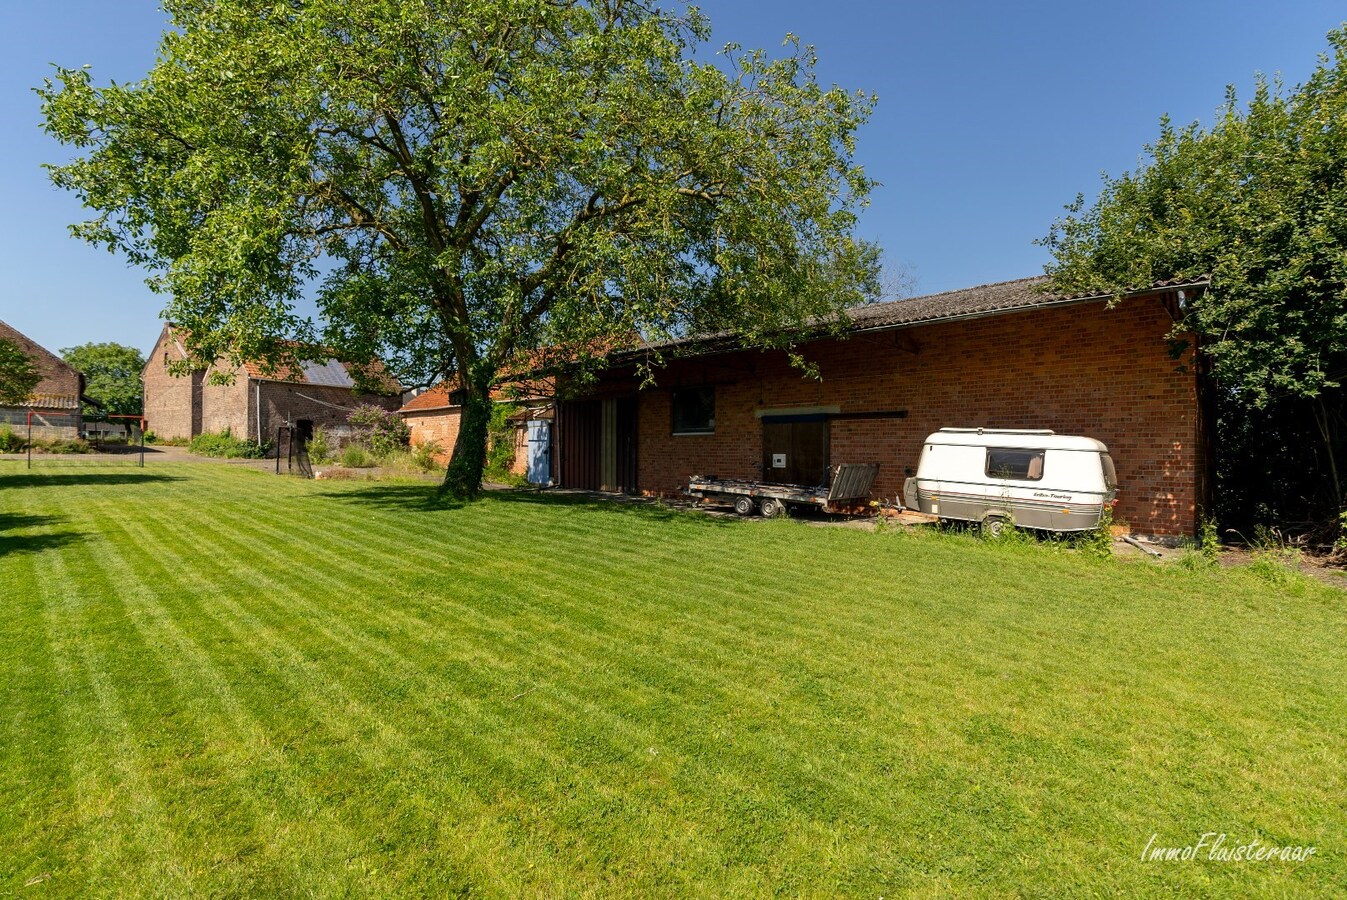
x,y
225,445
10,442
387,431
320,446
1098,541
423,455
62,445
356,457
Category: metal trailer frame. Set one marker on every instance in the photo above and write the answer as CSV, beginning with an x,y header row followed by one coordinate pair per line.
x,y
848,484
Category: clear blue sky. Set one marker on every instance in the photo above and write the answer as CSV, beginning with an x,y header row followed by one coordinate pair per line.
x,y
991,116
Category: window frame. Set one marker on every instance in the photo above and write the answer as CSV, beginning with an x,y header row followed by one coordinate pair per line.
x,y
1041,453
674,430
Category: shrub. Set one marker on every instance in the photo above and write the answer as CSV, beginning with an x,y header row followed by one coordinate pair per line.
x,y
225,445
320,446
62,445
356,457
387,431
1208,543
423,455
14,443
1098,541
11,442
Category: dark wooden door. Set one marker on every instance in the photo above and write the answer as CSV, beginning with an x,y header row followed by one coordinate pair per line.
x,y
795,450
579,436
624,439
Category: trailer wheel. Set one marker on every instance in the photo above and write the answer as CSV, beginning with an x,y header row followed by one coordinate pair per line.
x,y
995,526
770,507
744,506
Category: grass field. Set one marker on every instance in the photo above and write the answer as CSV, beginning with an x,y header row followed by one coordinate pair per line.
x,y
220,682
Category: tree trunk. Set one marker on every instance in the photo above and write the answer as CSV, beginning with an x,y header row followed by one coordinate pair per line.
x,y
463,478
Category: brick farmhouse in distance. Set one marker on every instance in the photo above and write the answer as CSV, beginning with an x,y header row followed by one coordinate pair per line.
x,y
54,405
434,415
1006,355
256,404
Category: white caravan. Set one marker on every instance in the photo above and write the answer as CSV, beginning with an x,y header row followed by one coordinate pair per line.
x,y
1035,479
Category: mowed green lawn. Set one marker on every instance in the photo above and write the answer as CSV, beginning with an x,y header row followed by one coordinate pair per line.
x,y
220,682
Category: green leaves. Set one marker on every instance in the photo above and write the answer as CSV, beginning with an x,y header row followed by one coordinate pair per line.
x,y
18,374
1259,203
111,375
459,182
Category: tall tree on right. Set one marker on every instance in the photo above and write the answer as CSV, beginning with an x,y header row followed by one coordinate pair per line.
x,y
1258,202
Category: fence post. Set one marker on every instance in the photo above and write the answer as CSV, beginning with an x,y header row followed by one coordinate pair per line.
x,y
278,449
142,446
30,438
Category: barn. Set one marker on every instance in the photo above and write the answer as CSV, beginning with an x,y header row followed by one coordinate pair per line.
x,y
54,408
1006,355
256,403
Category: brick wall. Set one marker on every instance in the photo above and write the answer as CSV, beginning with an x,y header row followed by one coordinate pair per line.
x,y
172,405
434,425
60,384
285,403
227,406
1083,369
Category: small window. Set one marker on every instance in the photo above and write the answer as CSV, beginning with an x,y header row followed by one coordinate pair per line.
x,y
1110,473
694,411
1021,465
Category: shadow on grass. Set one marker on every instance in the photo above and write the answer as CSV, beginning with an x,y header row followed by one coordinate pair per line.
x,y
48,479
33,543
426,498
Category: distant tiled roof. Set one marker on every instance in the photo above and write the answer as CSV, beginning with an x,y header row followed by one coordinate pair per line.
x,y
323,373
328,372
440,396
50,401
436,397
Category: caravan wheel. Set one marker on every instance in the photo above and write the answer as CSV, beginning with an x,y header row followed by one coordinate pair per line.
x,y
995,526
744,506
771,507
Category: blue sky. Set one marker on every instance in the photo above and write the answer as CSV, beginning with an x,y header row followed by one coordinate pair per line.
x,y
991,116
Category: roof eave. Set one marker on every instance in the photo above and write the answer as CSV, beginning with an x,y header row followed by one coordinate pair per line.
x,y
1049,304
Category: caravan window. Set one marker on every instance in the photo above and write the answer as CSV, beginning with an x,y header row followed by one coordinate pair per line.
x,y
1110,473
1022,465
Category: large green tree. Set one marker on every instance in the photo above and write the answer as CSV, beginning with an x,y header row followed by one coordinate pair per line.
x,y
467,179
1257,201
18,374
111,375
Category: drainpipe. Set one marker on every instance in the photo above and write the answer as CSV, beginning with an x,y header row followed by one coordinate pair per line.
x,y
257,385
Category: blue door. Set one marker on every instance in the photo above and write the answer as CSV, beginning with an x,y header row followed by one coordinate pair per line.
x,y
540,451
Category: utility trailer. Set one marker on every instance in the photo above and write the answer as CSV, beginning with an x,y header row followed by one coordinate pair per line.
x,y
848,487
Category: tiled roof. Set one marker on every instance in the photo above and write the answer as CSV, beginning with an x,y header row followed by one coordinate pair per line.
x,y
982,300
436,397
328,372
439,396
1001,296
50,401
322,373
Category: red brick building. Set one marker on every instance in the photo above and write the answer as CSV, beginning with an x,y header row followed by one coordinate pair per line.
x,y
1003,355
256,404
54,405
434,416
